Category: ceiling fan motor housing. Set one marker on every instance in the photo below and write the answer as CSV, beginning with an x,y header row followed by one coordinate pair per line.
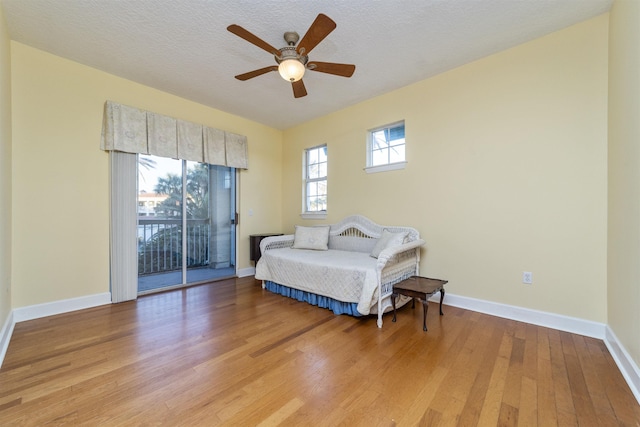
x,y
291,37
290,52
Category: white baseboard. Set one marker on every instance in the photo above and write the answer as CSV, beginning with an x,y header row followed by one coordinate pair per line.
x,y
58,307
5,336
47,309
625,362
535,317
244,272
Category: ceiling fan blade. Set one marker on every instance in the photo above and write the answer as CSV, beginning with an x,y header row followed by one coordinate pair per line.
x,y
253,39
256,73
298,89
344,70
319,29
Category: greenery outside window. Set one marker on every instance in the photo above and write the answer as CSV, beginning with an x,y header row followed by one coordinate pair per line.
x,y
315,177
386,148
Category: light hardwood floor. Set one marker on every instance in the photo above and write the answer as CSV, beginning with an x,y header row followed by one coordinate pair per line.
x,y
230,353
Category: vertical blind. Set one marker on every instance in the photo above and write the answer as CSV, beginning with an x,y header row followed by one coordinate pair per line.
x,y
123,249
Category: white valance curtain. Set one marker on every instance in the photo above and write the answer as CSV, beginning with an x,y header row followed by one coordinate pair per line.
x,y
131,130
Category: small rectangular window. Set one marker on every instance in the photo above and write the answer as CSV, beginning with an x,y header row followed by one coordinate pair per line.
x,y
315,189
386,148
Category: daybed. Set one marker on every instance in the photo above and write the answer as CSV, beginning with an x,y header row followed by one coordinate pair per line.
x,y
349,267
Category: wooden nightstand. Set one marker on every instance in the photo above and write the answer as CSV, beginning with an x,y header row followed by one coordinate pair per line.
x,y
254,245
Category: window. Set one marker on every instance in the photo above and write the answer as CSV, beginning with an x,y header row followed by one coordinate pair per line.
x,y
386,148
315,176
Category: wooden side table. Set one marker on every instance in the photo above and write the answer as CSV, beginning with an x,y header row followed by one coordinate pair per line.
x,y
254,245
421,288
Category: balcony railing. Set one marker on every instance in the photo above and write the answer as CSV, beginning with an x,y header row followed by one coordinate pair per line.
x,y
160,244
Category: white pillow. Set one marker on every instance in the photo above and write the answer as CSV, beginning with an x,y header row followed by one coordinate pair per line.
x,y
316,238
387,240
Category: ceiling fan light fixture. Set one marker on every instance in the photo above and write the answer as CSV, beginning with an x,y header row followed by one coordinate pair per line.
x,y
291,69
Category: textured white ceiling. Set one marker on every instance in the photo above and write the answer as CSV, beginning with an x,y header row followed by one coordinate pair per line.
x,y
182,46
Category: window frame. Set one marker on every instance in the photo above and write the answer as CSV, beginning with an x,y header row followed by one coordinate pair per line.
x,y
389,166
306,180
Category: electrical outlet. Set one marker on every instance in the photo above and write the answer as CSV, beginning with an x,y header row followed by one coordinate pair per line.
x,y
527,277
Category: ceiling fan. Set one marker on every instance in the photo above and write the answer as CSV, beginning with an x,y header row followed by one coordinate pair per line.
x,y
293,59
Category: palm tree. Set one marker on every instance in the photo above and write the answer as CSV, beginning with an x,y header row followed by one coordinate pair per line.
x,y
198,192
146,162
171,186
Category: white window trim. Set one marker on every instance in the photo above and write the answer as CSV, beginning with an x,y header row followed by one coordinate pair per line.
x,y
310,214
386,168
314,215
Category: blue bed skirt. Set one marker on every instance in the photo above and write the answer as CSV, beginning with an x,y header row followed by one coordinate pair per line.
x,y
338,307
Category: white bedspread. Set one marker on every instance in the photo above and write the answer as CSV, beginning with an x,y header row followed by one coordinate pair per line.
x,y
342,275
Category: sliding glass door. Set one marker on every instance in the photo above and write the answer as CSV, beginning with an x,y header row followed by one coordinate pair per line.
x,y
186,222
210,221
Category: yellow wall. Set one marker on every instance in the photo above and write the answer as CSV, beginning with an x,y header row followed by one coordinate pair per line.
x,y
624,176
61,179
5,172
507,172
